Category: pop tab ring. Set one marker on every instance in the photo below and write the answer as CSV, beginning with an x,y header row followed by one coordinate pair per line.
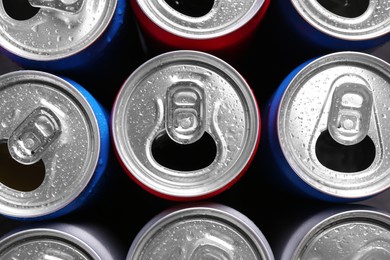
x,y
185,95
350,111
71,6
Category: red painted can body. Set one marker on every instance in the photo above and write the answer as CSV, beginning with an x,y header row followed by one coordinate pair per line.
x,y
175,109
226,27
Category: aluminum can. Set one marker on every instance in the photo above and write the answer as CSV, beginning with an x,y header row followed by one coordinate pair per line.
x,y
61,240
81,39
55,145
298,30
338,25
222,27
326,128
200,231
183,105
343,232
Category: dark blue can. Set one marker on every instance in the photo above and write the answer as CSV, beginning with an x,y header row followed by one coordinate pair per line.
x,y
336,25
325,129
87,40
55,146
297,30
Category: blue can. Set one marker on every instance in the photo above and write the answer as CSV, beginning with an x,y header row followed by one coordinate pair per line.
x,y
325,129
93,42
55,146
297,30
336,25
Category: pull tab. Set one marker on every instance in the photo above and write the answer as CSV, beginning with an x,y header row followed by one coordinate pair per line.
x,y
34,135
186,112
69,6
350,112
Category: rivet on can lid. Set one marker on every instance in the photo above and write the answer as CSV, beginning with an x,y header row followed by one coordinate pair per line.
x,y
69,6
185,112
34,135
350,112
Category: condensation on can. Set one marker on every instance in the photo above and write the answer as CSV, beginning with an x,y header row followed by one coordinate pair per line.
x,y
349,232
223,27
185,96
80,39
327,128
55,122
198,231
60,240
58,30
339,25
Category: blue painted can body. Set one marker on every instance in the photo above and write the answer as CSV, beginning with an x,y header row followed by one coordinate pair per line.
x,y
56,121
98,46
298,116
311,24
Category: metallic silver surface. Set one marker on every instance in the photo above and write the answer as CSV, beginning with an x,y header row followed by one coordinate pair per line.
x,y
350,235
224,17
209,231
306,111
211,97
60,241
59,29
42,244
374,22
43,117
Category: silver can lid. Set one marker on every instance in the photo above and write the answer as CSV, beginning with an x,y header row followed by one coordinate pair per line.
x,y
45,243
353,234
223,18
44,118
210,231
371,22
345,94
59,29
185,94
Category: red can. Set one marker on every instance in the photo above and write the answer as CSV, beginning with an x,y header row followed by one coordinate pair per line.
x,y
175,109
217,27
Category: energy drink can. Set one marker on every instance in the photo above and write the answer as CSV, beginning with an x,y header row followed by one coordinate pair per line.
x,y
185,125
343,232
61,240
81,39
54,145
326,128
222,27
200,231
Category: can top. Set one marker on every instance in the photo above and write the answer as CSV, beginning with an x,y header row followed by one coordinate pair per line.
x,y
223,17
334,113
353,234
44,243
360,20
45,118
185,95
210,231
59,29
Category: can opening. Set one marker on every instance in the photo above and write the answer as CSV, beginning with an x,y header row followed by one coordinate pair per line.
x,y
184,157
19,9
19,176
193,8
344,158
345,8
